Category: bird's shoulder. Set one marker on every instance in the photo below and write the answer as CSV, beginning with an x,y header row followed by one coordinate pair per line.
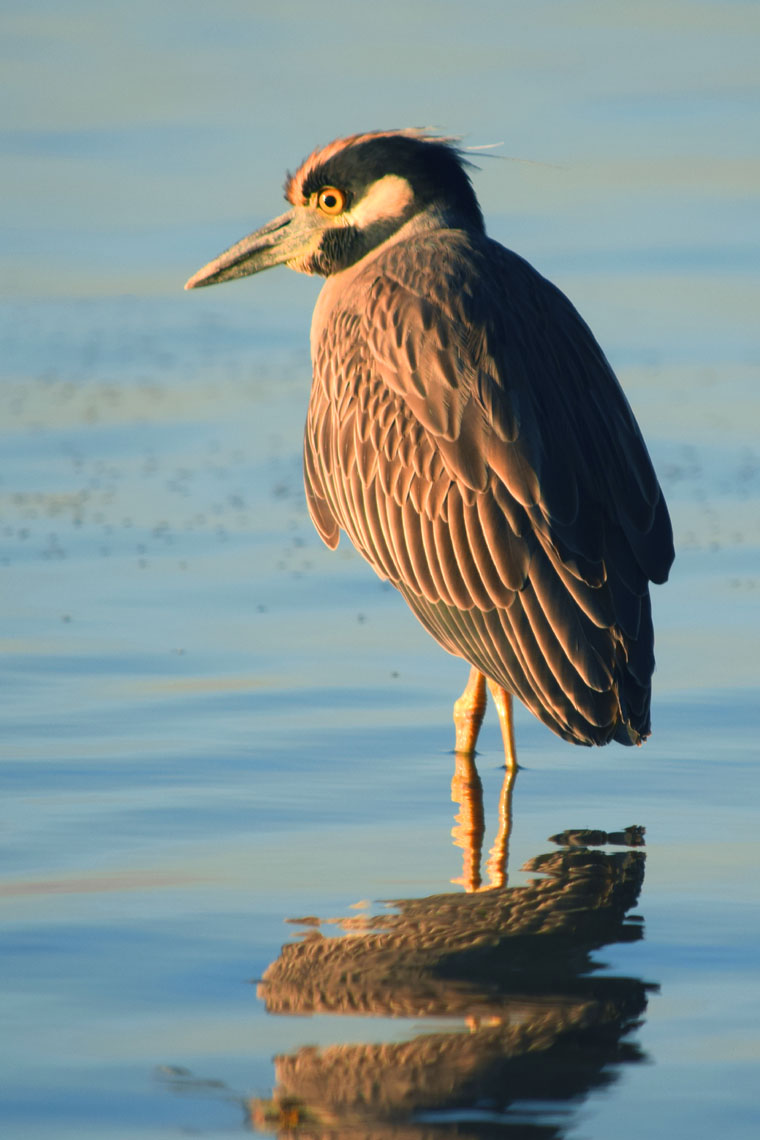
x,y
509,385
449,315
462,275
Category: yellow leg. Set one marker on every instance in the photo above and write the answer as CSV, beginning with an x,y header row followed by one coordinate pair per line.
x,y
499,853
503,701
469,711
466,788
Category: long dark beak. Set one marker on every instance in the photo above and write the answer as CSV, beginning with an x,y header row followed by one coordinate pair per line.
x,y
286,238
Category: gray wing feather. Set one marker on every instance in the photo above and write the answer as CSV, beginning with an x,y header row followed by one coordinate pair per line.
x,y
467,433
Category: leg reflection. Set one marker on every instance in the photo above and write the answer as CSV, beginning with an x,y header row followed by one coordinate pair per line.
x,y
467,833
498,856
469,829
467,790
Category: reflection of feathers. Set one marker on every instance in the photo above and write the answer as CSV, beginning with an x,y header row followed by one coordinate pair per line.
x,y
448,1071
435,955
516,509
515,962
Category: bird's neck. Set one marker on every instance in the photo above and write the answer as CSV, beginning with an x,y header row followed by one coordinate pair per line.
x,y
338,286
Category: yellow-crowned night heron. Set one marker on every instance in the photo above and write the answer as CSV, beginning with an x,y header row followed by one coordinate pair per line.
x,y
467,433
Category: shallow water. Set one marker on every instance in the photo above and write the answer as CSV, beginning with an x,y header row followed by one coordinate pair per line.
x,y
213,726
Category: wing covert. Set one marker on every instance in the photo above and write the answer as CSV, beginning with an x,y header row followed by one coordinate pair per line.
x,y
469,436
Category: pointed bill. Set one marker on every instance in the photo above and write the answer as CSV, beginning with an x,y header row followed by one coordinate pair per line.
x,y
289,237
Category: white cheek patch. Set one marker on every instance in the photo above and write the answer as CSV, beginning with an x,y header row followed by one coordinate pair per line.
x,y
388,198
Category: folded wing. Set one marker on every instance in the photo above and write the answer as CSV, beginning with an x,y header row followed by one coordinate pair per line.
x,y
467,433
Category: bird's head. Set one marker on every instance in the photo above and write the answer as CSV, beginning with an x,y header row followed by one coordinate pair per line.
x,y
349,197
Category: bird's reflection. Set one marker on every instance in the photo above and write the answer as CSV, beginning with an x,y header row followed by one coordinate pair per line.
x,y
538,1026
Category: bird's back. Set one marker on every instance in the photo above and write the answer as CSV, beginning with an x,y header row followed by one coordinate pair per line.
x,y
467,433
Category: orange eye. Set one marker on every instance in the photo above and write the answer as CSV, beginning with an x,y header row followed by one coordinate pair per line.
x,y
331,200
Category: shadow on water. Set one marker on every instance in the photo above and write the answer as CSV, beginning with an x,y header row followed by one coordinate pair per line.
x,y
536,1026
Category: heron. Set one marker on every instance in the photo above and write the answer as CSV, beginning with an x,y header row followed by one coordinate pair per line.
x,y
468,435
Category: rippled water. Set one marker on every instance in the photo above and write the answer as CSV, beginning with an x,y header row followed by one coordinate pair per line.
x,y
223,746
